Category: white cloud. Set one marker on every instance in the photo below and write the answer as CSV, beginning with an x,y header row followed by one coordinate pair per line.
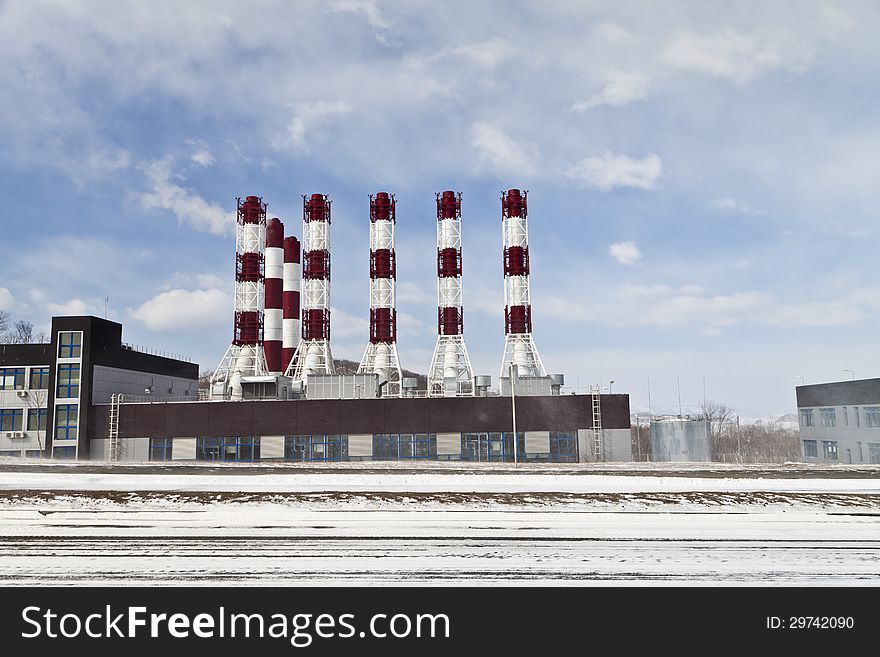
x,y
691,307
409,324
7,301
500,154
344,325
487,54
733,205
366,7
734,56
184,309
611,170
626,253
621,88
70,307
188,206
410,292
614,34
203,157
206,281
309,117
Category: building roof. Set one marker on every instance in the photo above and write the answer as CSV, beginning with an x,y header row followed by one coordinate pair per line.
x,y
839,393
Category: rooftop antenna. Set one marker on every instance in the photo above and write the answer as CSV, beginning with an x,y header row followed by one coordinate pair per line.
x,y
650,415
106,300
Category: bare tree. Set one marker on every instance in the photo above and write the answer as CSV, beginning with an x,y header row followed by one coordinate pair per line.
x,y
22,332
640,435
720,416
37,399
5,319
205,377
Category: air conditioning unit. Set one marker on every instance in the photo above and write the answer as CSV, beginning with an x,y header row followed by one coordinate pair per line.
x,y
10,434
21,393
19,434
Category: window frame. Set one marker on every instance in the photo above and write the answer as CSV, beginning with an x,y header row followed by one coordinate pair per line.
x,y
11,419
815,449
42,373
830,447
807,418
63,411
71,349
65,383
42,417
828,417
18,376
566,439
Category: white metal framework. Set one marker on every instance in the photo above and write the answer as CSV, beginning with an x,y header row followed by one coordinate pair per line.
x,y
381,357
519,345
245,356
598,434
113,435
313,355
451,372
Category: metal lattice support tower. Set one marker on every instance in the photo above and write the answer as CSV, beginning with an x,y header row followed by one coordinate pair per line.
x,y
380,356
113,434
313,353
598,434
245,356
519,346
451,372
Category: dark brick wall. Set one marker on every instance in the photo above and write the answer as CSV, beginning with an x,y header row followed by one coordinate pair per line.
x,y
337,416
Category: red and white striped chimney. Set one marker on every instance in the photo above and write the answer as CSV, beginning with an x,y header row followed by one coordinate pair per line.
x,y
273,316
451,372
380,356
245,356
519,346
313,354
290,301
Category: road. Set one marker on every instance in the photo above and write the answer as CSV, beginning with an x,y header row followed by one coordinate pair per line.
x,y
211,529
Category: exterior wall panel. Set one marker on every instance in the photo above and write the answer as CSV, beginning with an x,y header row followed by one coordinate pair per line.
x,y
360,444
183,449
448,444
537,442
271,447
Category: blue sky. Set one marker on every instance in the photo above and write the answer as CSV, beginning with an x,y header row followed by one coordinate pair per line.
x,y
703,180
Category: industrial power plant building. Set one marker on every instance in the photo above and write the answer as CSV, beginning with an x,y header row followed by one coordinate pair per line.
x,y
276,395
63,400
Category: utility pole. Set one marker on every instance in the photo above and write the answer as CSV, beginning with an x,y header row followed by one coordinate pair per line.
x,y
513,379
738,444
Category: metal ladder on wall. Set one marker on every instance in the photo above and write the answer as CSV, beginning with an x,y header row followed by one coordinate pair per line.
x,y
113,442
598,437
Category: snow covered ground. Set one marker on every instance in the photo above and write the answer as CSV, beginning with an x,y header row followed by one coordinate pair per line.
x,y
439,524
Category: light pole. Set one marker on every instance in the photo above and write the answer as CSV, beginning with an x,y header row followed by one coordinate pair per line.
x,y
852,374
610,383
513,379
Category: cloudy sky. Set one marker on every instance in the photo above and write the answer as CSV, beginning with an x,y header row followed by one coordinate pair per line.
x,y
703,180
